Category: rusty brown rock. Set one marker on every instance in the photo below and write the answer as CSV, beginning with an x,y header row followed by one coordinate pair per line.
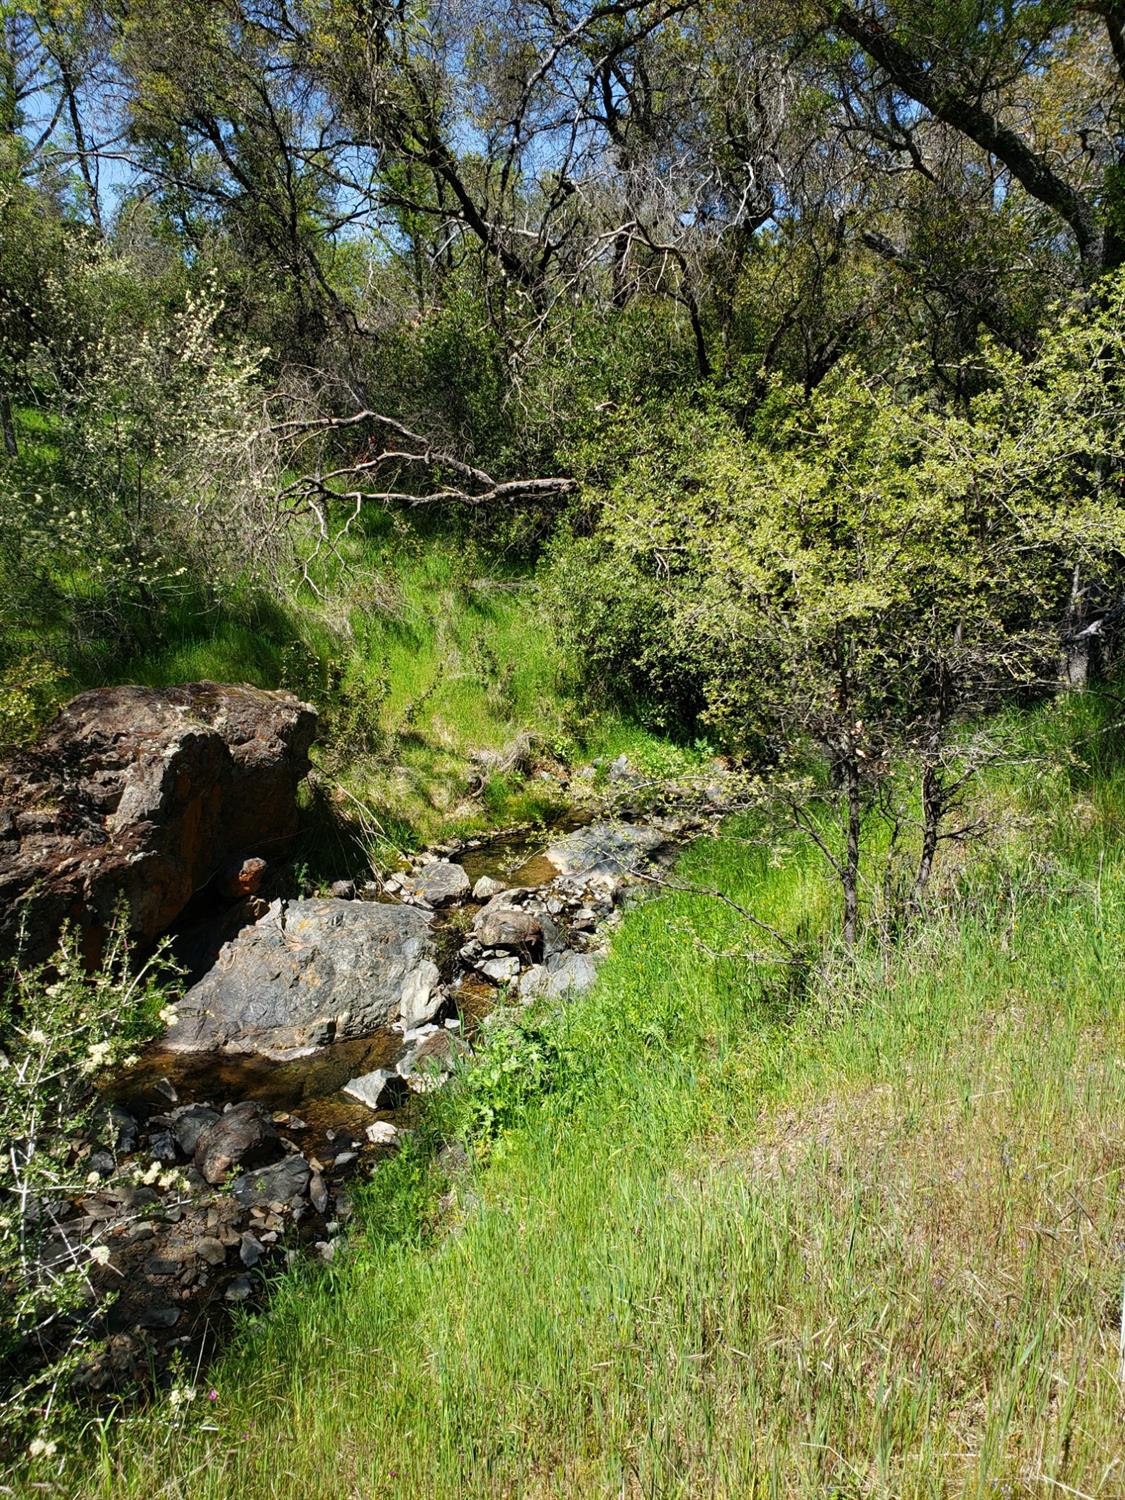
x,y
143,794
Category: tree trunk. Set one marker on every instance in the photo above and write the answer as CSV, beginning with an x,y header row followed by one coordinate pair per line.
x,y
7,423
1074,661
932,808
849,874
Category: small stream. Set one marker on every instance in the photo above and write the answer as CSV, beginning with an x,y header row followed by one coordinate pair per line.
x,y
310,1088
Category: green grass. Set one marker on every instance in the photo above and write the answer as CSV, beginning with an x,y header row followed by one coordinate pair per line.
x,y
742,1233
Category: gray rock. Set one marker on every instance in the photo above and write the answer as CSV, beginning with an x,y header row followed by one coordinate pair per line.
x,y
279,1183
567,973
613,849
101,1162
381,1089
533,980
318,1193
438,884
486,888
238,1290
382,1133
500,926
241,1137
159,1317
162,1146
434,1055
250,1250
190,1123
125,1129
342,890
501,970
313,972
213,1251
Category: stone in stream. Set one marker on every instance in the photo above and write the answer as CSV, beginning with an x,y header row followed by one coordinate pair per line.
x,y
501,926
189,1123
279,1183
381,1089
486,888
242,1137
310,973
437,884
609,849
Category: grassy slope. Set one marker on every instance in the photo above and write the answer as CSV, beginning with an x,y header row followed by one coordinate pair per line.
x,y
866,1241
424,658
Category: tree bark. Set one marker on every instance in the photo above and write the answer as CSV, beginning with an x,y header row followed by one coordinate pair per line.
x,y
849,873
7,423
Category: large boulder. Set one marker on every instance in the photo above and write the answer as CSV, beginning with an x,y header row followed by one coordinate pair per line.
x,y
143,794
309,973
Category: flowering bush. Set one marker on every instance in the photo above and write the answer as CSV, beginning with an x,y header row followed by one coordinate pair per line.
x,y
62,1030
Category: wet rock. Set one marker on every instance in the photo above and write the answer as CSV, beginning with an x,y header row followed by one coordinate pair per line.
x,y
611,849
279,1183
438,884
313,972
143,794
486,888
382,1089
508,927
242,1137
189,1124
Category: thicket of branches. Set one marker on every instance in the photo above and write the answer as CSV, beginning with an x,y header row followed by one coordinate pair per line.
x,y
790,325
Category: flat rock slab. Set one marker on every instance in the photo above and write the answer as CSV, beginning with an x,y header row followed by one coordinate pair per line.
x,y
310,973
613,849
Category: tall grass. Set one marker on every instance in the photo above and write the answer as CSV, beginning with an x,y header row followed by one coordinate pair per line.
x,y
856,1235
